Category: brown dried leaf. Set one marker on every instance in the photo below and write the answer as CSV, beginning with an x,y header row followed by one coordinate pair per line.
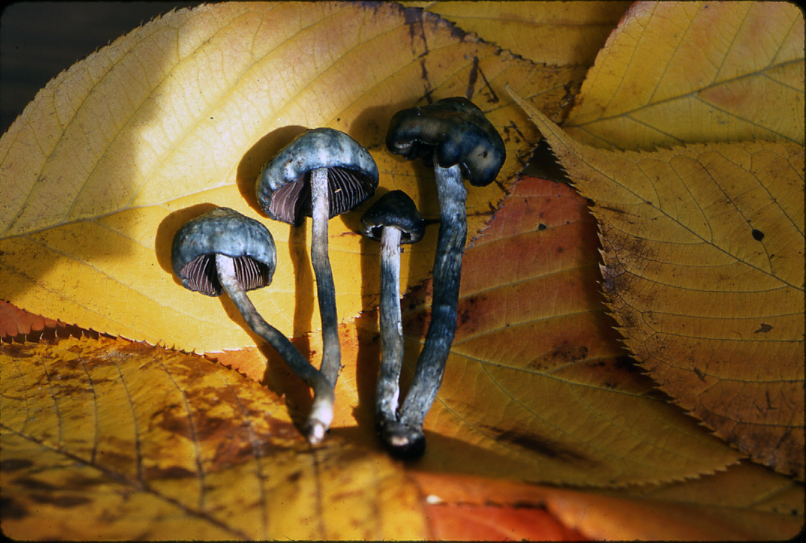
x,y
703,252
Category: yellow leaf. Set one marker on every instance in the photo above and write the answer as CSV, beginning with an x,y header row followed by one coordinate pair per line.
x,y
115,440
691,72
548,32
703,252
180,115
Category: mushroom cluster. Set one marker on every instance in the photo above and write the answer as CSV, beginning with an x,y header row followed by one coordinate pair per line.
x,y
323,173
456,138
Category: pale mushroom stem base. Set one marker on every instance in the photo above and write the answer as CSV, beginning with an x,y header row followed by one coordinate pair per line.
x,y
410,440
322,409
325,287
388,388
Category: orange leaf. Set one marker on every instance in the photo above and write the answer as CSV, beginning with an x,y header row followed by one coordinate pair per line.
x,y
15,321
493,523
746,503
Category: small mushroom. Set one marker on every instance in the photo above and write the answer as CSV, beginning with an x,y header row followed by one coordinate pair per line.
x,y
393,220
225,251
456,138
322,173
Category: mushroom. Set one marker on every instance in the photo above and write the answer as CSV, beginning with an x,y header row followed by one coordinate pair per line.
x,y
321,173
456,138
223,250
392,220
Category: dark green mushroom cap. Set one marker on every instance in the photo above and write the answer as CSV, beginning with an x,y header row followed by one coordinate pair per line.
x,y
223,231
452,130
283,187
396,209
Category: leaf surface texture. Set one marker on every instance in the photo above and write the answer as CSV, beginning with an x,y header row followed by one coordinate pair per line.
x,y
703,252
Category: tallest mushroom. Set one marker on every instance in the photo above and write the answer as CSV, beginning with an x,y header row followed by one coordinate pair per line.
x,y
322,173
456,138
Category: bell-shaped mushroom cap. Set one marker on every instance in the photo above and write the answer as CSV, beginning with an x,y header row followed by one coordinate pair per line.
x,y
223,231
454,130
396,209
283,189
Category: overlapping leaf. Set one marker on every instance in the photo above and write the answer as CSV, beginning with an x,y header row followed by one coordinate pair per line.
x,y
558,33
703,252
745,502
180,115
117,440
690,72
16,322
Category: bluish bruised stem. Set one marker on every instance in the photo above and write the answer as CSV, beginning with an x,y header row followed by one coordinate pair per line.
x,y
322,410
438,339
325,288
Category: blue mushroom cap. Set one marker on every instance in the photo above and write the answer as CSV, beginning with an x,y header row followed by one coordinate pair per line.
x,y
452,131
283,187
223,231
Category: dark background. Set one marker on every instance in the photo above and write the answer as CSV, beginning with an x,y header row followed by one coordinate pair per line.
x,y
38,40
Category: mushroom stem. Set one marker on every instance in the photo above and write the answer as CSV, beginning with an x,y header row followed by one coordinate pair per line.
x,y
446,278
322,409
388,389
325,288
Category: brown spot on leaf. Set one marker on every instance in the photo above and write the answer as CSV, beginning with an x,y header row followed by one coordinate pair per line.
x,y
114,460
564,353
16,350
64,501
538,444
33,484
14,464
173,419
10,509
85,482
469,313
570,353
170,472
